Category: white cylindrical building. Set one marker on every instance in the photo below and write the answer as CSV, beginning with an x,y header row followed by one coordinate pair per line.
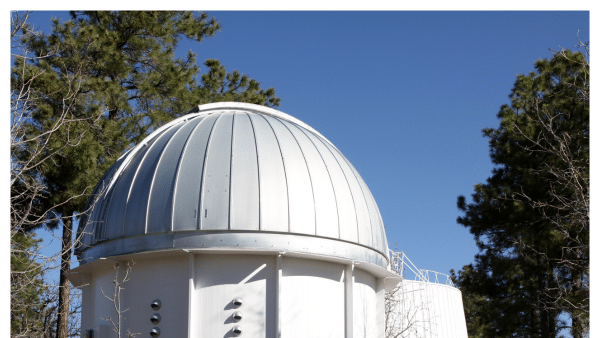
x,y
424,309
241,221
425,304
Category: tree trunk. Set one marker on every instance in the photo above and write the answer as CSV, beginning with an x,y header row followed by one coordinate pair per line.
x,y
62,328
543,286
577,330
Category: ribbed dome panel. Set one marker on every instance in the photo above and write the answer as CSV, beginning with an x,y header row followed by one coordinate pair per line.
x,y
244,208
235,168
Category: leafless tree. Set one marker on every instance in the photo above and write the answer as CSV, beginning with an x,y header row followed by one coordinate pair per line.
x,y
41,319
568,208
29,151
27,187
115,299
405,315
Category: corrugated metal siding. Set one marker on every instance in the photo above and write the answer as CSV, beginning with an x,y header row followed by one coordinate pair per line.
x,y
237,169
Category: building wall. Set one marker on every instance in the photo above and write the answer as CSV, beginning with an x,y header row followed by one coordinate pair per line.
x,y
281,297
312,299
365,305
426,310
93,301
219,279
165,279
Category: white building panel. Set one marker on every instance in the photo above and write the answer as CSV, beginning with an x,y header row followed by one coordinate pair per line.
x,y
219,279
365,305
426,309
312,299
164,279
103,307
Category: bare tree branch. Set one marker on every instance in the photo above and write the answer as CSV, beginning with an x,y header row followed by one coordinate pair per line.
x,y
115,299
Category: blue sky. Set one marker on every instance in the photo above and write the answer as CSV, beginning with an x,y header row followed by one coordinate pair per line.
x,y
404,95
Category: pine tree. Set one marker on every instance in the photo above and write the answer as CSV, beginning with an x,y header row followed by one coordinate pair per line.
x,y
117,77
531,217
27,287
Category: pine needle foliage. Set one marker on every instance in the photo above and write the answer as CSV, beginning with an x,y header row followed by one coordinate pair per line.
x,y
95,86
531,218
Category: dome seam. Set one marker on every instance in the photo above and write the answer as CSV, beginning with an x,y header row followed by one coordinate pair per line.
x,y
119,231
312,189
230,168
164,133
178,170
358,180
257,169
287,188
203,179
337,209
162,153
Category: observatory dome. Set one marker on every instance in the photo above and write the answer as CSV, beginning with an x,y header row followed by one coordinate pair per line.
x,y
234,176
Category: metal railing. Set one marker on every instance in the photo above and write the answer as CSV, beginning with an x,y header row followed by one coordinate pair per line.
x,y
403,266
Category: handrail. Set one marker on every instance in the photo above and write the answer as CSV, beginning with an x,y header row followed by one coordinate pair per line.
x,y
403,266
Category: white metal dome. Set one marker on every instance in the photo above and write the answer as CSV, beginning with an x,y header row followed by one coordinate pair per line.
x,y
235,175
